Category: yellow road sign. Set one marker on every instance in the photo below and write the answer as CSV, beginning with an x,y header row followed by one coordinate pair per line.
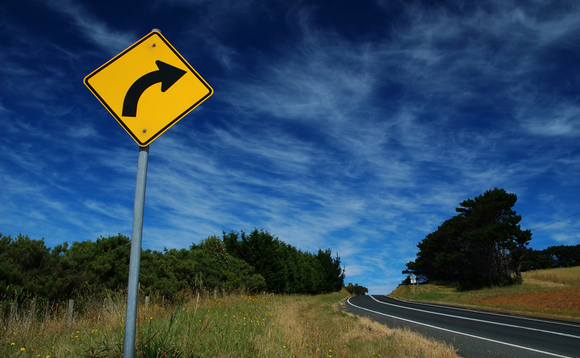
x,y
148,87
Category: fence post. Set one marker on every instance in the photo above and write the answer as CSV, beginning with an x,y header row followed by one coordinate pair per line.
x,y
32,312
215,293
71,305
46,310
146,301
13,311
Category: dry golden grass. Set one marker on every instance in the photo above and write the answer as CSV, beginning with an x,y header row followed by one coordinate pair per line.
x,y
564,300
237,325
314,327
568,276
52,336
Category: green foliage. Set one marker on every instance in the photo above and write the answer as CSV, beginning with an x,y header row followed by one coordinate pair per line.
x,y
551,257
257,262
482,245
29,268
356,290
285,268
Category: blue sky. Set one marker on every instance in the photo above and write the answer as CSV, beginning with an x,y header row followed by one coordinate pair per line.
x,y
352,125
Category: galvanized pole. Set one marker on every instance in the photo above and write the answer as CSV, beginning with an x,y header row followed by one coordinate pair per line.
x,y
135,259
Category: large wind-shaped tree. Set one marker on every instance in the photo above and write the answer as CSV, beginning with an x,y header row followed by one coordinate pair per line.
x,y
483,244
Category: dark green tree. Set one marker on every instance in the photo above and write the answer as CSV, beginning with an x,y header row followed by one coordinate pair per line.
x,y
24,266
285,268
494,238
258,261
442,254
333,274
564,256
551,257
103,263
482,245
356,290
218,268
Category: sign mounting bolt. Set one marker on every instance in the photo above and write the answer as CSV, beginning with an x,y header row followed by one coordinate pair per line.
x,y
144,130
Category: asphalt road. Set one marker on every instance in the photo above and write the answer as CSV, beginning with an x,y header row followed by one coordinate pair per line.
x,y
474,333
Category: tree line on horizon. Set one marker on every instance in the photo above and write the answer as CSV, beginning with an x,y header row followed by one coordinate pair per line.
x,y
551,257
484,245
254,262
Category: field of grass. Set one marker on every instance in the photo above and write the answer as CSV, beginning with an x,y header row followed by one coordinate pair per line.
x,y
554,292
237,325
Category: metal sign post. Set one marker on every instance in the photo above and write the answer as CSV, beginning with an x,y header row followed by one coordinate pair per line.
x,y
135,259
173,89
413,282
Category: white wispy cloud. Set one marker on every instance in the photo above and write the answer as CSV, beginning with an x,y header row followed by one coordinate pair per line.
x,y
362,146
97,31
562,120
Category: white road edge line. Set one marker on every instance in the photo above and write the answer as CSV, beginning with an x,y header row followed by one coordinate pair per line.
x,y
489,313
477,320
456,332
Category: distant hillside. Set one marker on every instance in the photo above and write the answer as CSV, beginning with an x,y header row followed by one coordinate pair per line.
x,y
551,292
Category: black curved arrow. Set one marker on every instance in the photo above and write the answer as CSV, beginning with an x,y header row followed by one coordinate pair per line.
x,y
166,74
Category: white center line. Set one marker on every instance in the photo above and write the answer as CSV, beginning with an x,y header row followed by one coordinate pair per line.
x,y
477,320
456,332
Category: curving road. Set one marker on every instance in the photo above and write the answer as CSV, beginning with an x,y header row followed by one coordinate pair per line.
x,y
474,333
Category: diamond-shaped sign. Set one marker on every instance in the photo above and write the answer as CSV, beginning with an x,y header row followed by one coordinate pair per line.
x,y
148,87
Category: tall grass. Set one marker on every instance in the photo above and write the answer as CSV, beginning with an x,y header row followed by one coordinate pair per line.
x,y
565,275
313,327
237,325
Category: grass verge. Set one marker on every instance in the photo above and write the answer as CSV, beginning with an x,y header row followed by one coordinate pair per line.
x,y
233,326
